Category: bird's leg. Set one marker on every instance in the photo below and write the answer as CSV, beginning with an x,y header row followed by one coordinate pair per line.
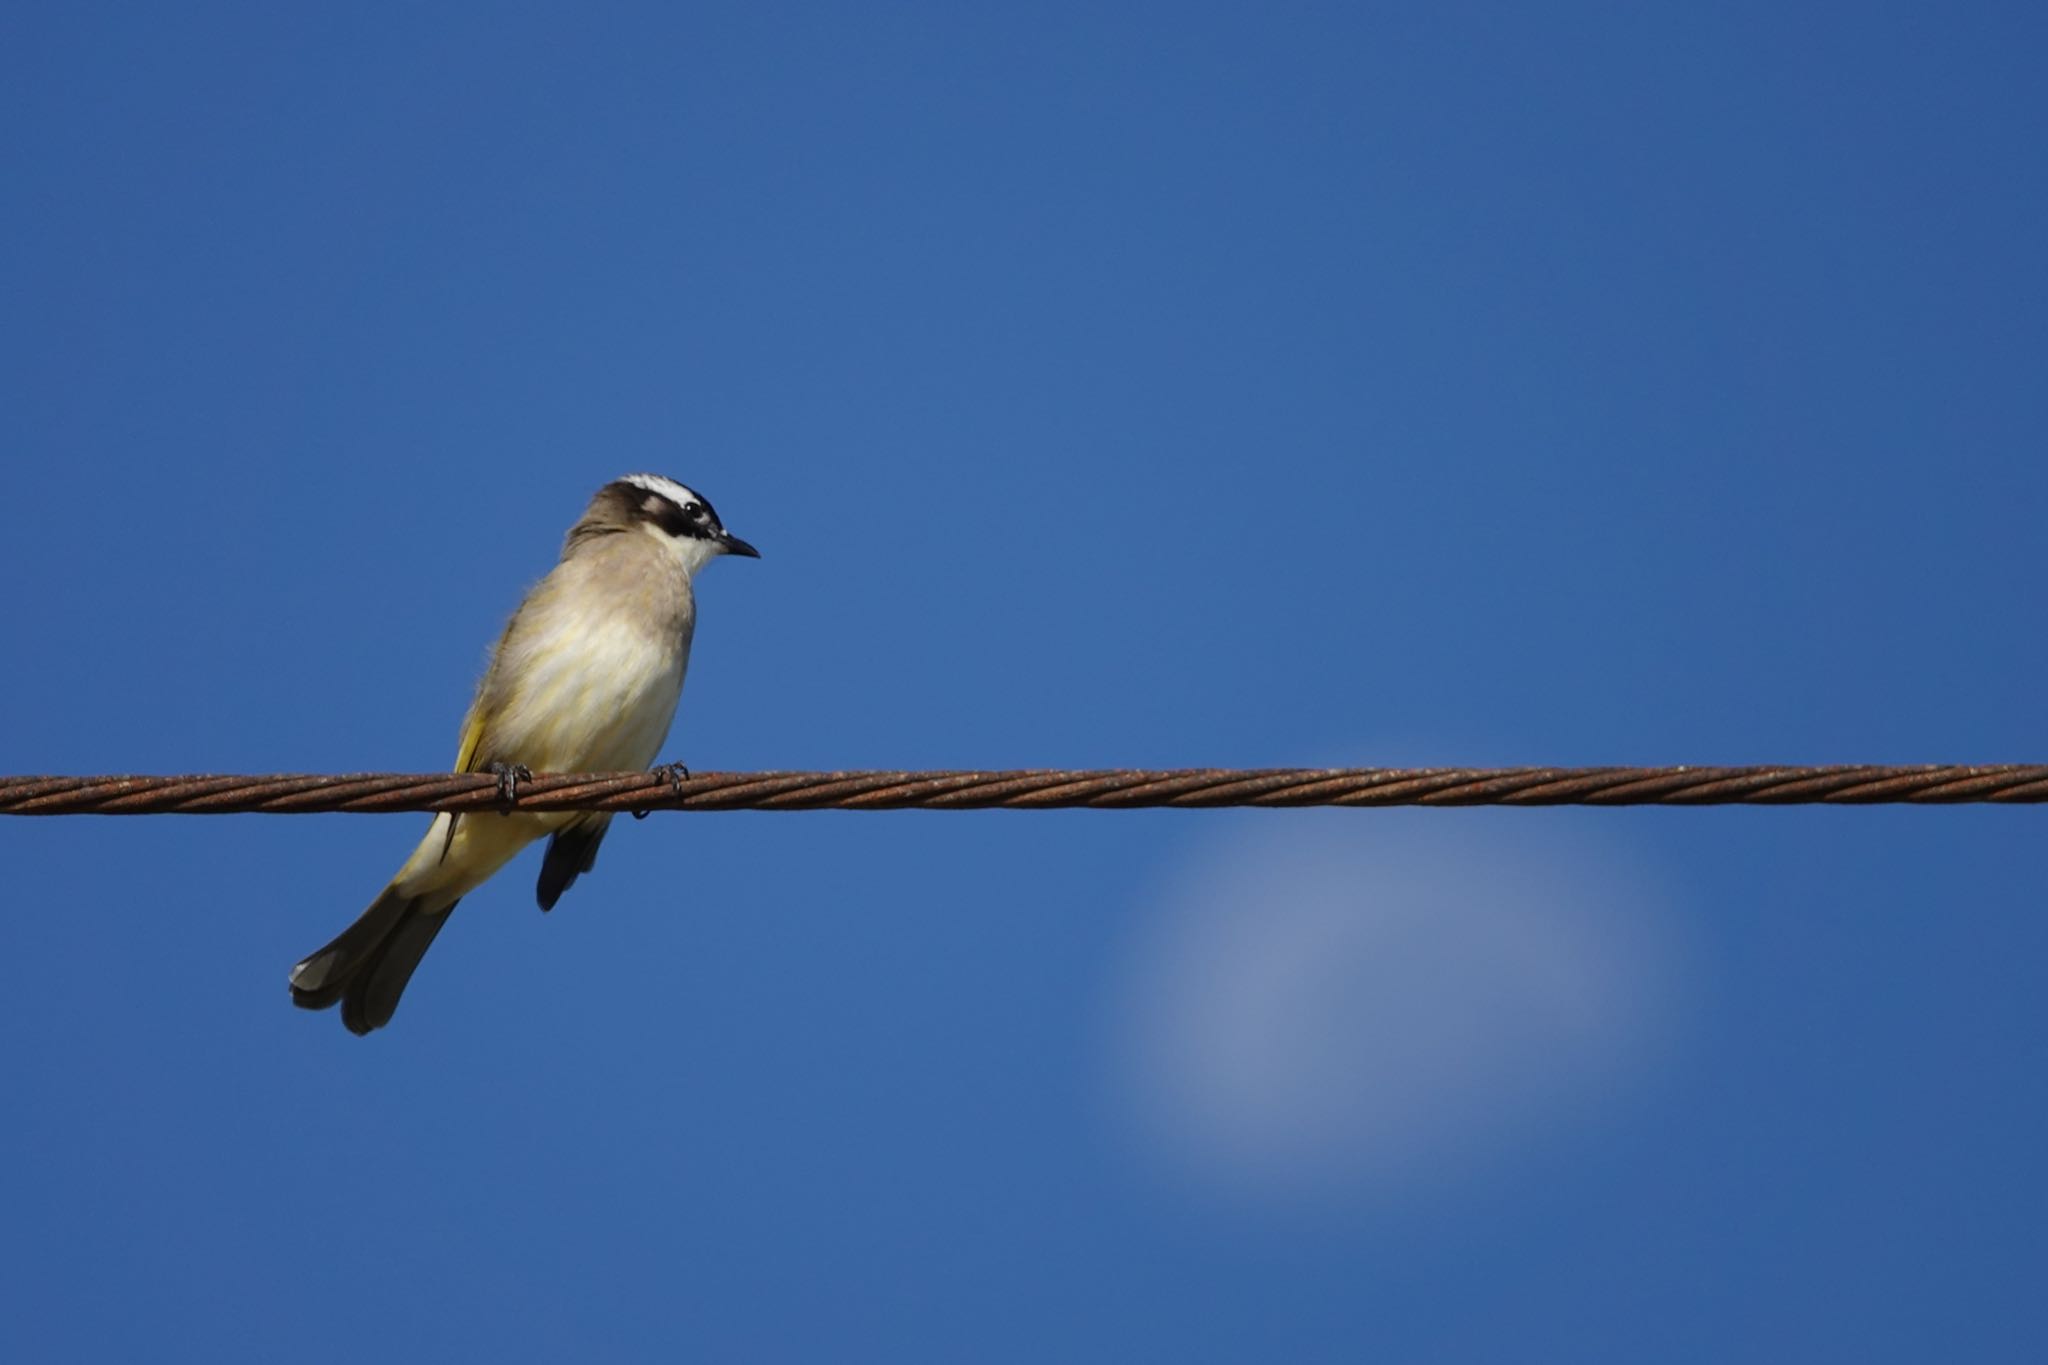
x,y
509,776
676,773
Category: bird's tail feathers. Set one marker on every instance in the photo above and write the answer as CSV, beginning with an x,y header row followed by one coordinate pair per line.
x,y
364,970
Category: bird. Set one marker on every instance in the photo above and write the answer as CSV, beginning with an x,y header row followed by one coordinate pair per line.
x,y
585,678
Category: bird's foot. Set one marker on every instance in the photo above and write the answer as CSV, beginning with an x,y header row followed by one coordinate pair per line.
x,y
509,776
676,773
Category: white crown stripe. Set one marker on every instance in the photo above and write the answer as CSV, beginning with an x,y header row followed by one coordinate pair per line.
x,y
667,488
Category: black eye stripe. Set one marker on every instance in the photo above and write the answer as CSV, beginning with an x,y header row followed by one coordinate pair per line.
x,y
696,520
637,502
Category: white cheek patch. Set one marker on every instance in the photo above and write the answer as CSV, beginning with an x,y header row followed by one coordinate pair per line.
x,y
690,553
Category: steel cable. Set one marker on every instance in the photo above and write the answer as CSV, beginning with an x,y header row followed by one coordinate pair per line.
x,y
1030,789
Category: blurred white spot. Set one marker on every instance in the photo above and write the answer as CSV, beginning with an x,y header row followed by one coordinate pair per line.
x,y
1372,1001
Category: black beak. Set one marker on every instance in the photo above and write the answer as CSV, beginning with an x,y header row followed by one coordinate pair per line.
x,y
735,546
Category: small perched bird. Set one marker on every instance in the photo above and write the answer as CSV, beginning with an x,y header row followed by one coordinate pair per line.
x,y
585,679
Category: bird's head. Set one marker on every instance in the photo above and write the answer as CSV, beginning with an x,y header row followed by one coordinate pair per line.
x,y
681,519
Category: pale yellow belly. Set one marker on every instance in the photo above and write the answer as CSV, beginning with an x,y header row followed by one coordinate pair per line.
x,y
601,703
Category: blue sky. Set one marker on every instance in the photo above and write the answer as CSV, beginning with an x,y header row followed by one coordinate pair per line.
x,y
1133,384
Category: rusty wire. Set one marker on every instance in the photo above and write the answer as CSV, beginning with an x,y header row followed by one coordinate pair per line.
x,y
1035,789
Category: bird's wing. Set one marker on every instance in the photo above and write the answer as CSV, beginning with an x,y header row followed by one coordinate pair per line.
x,y
468,758
470,755
473,755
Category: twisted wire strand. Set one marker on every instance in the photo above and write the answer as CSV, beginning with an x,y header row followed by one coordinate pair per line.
x,y
1031,789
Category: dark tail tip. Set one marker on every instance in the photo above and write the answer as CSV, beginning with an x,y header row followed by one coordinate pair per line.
x,y
314,985
366,967
372,995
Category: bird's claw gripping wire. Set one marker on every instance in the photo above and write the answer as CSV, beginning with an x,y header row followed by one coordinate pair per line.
x,y
509,776
676,773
